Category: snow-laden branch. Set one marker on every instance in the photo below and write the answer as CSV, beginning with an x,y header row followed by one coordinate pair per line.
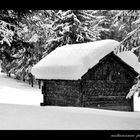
x,y
6,33
133,49
128,37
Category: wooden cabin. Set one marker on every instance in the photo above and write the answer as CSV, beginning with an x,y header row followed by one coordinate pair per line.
x,y
88,75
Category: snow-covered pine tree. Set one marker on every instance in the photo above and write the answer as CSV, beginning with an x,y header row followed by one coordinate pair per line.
x,y
15,17
6,32
127,24
71,27
103,23
135,88
32,37
10,21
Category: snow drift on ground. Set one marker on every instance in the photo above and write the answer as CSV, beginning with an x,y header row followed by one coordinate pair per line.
x,y
73,61
18,92
25,117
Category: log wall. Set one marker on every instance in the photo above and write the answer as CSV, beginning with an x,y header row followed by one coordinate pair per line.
x,y
61,92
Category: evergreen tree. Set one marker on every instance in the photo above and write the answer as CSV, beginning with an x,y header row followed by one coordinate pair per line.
x,y
28,47
124,23
10,23
71,27
27,36
6,33
103,23
128,23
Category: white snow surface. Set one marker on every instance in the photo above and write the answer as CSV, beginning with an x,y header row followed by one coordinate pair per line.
x,y
25,117
17,92
20,110
136,102
131,59
73,61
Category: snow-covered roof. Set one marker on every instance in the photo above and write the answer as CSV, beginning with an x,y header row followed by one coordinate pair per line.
x,y
73,61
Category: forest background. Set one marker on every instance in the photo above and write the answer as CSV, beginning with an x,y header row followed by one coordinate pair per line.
x,y
26,36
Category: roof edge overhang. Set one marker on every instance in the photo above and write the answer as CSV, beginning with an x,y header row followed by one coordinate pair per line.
x,y
135,73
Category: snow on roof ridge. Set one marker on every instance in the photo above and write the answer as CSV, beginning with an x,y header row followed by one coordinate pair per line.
x,y
132,60
72,61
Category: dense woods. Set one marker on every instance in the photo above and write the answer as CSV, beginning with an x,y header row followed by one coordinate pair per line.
x,y
27,36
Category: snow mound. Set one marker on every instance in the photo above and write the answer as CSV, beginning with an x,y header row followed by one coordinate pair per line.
x,y
22,117
131,59
73,61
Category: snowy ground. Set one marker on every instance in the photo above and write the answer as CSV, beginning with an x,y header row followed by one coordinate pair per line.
x,y
136,102
20,110
27,117
17,92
